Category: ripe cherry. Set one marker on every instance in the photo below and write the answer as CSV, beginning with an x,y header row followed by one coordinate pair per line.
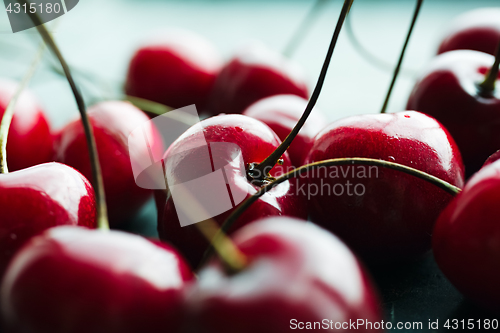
x,y
255,72
29,126
79,280
466,239
297,273
478,30
449,91
234,142
383,215
37,198
281,113
112,122
177,68
495,156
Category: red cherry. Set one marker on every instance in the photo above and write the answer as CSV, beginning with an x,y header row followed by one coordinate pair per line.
x,y
227,136
448,91
78,280
177,68
466,239
30,140
255,72
478,29
495,156
112,122
384,215
40,197
281,113
297,273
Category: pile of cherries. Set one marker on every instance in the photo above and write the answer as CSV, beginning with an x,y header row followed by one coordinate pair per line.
x,y
59,275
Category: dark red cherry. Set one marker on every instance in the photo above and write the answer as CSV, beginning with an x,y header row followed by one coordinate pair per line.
x,y
30,140
281,113
478,30
466,239
255,72
176,68
37,198
211,158
447,90
495,156
81,281
297,274
383,215
112,123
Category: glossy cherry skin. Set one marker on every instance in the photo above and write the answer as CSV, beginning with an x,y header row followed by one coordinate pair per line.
x,y
296,271
386,215
255,72
495,156
112,122
478,30
281,113
37,198
30,140
447,91
177,68
79,280
256,141
466,239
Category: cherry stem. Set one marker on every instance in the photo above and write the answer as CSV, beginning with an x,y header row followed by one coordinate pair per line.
x,y
401,56
97,182
304,27
233,259
366,54
487,87
148,106
9,111
453,190
265,166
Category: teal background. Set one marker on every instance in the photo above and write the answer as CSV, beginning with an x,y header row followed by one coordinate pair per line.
x,y
98,38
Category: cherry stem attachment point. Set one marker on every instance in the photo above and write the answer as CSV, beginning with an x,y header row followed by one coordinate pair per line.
x,y
451,189
265,166
304,27
487,87
9,111
97,182
401,56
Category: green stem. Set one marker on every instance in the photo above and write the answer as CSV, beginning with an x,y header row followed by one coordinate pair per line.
x,y
97,182
265,166
148,106
453,190
9,111
487,87
304,27
401,56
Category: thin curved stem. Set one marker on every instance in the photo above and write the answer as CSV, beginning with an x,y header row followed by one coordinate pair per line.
x,y
304,27
9,111
265,166
148,106
369,56
487,87
453,190
401,56
102,216
231,256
